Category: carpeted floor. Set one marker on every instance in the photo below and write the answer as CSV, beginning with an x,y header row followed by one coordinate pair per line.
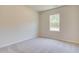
x,y
40,45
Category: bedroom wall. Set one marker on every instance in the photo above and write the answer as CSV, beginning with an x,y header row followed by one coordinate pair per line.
x,y
17,23
69,24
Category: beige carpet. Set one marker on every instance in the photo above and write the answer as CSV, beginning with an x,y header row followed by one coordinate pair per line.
x,y
40,45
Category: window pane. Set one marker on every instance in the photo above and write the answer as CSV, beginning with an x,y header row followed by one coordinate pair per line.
x,y
54,22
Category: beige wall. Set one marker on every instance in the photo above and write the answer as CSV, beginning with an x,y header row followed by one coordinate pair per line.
x,y
17,23
69,24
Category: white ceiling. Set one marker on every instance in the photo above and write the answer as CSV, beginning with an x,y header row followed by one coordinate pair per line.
x,y
43,7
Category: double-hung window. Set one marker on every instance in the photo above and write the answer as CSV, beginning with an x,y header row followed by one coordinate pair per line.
x,y
55,22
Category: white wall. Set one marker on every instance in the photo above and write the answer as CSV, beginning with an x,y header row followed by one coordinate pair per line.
x,y
17,23
69,24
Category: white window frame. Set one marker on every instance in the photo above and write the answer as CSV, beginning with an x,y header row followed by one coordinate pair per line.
x,y
52,28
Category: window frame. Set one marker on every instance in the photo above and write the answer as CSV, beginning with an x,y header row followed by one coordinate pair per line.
x,y
53,28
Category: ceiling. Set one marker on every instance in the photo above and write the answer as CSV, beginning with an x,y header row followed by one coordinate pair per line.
x,y
43,7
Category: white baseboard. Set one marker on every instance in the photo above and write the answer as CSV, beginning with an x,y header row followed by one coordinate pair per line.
x,y
66,41
18,41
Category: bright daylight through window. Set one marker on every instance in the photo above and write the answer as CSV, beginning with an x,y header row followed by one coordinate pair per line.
x,y
55,22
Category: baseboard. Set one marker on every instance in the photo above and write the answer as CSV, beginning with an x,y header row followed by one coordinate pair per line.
x,y
18,41
66,41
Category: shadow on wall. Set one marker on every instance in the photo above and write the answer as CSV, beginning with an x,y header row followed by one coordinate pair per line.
x,y
17,23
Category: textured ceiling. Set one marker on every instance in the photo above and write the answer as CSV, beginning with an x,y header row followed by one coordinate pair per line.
x,y
43,7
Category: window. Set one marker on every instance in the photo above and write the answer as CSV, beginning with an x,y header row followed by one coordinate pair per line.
x,y
55,22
